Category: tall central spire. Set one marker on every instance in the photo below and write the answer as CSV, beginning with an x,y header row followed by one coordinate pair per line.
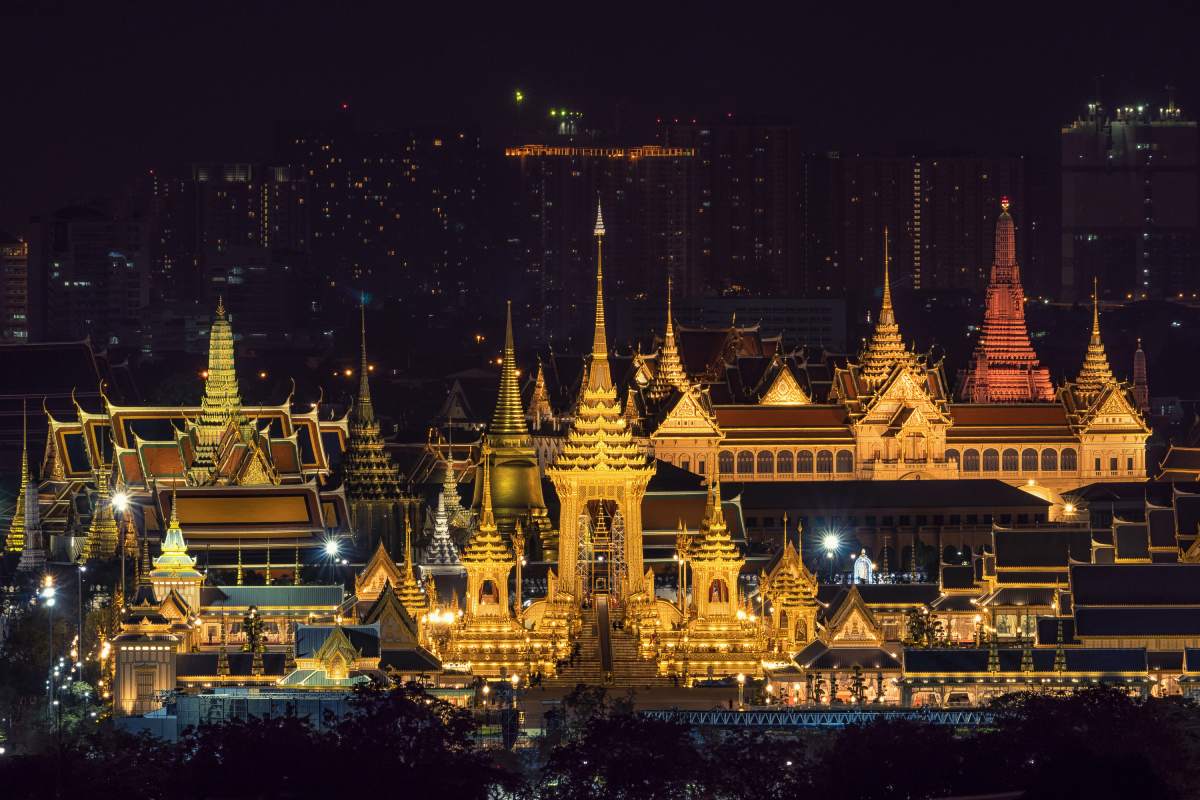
x,y
600,437
1095,373
669,373
886,348
222,401
509,428
599,378
15,541
371,475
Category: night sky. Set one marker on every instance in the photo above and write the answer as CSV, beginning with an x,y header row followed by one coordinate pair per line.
x,y
90,101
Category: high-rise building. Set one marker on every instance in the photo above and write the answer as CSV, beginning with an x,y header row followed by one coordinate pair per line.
x,y
92,276
646,196
939,211
1130,200
397,211
748,219
14,289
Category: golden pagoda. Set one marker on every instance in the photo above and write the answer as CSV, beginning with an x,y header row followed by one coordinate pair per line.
x,y
719,636
373,489
382,573
15,541
102,533
516,482
1095,375
600,462
790,590
669,374
221,406
487,639
174,570
540,410
885,349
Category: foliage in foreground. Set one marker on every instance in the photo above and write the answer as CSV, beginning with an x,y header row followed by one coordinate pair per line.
x,y
1097,743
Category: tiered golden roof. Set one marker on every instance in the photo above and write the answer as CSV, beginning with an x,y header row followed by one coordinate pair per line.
x,y
102,533
486,546
370,471
600,438
1095,374
886,349
409,590
669,374
714,544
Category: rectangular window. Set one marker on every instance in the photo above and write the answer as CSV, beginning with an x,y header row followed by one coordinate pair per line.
x,y
1097,464
1112,464
702,470
956,519
1129,463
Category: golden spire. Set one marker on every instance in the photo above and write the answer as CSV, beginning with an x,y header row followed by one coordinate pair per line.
x,y
370,472
886,348
715,542
486,545
539,403
102,533
600,437
1095,373
487,520
669,373
174,557
599,378
221,404
509,428
15,541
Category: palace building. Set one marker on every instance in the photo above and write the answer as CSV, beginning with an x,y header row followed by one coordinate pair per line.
x,y
889,414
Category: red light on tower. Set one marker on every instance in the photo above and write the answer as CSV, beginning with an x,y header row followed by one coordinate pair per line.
x,y
1004,203
345,106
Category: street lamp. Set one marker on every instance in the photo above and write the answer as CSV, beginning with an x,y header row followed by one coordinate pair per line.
x,y
831,542
486,690
514,679
332,547
47,594
741,681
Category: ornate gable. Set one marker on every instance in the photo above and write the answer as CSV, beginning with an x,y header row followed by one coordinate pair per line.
x,y
397,628
853,625
1112,409
905,388
785,390
379,573
688,417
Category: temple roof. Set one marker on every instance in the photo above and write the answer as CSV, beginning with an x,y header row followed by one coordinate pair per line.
x,y
921,661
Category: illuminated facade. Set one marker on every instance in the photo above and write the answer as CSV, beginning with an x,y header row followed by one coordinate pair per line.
x,y
252,478
890,415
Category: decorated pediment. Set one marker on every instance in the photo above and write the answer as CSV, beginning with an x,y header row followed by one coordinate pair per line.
x,y
853,625
1113,409
397,628
688,417
379,573
785,390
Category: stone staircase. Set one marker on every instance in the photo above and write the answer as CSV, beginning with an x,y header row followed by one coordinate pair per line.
x,y
629,670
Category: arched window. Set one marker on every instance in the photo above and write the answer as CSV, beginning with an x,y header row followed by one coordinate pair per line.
x,y
971,461
783,462
766,462
952,455
725,462
1029,460
745,462
1049,460
718,592
845,461
825,461
804,462
1011,459
1070,460
686,465
991,460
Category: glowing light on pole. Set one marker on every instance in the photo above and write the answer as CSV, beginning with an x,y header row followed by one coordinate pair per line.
x,y
831,543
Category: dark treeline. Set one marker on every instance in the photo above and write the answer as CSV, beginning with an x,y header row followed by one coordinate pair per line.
x,y
1097,743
